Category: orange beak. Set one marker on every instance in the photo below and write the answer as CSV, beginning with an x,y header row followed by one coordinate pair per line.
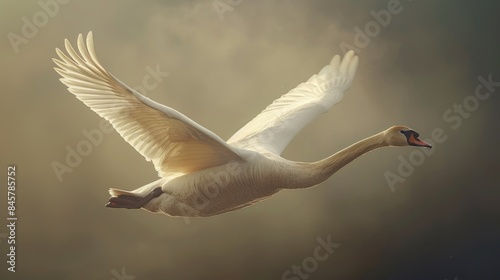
x,y
417,142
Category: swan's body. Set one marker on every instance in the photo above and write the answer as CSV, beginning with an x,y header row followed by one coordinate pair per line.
x,y
202,175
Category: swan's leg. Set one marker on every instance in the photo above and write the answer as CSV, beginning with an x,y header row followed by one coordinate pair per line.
x,y
131,201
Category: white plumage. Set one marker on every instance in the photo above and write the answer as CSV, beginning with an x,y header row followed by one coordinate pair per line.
x,y
201,174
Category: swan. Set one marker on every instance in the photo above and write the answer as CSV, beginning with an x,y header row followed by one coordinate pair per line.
x,y
200,174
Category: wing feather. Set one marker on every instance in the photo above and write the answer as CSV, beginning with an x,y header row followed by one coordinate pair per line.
x,y
278,124
173,142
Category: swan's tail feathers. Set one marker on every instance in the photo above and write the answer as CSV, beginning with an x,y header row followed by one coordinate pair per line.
x,y
130,200
118,192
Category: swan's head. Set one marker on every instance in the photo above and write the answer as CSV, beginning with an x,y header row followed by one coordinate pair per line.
x,y
404,136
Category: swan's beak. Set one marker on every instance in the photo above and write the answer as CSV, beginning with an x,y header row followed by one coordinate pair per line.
x,y
415,141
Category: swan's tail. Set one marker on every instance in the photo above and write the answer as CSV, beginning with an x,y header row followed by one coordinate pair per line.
x,y
131,201
134,199
118,192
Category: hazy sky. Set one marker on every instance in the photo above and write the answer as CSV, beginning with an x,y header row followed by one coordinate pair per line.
x,y
430,65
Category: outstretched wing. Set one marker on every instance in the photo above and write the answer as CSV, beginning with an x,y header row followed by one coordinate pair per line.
x,y
276,126
172,141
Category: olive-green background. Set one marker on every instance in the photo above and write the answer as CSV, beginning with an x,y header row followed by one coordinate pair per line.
x,y
442,222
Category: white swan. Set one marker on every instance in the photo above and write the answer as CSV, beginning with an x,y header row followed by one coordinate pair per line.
x,y
201,174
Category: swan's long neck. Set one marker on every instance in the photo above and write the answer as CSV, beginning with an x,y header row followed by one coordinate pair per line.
x,y
321,170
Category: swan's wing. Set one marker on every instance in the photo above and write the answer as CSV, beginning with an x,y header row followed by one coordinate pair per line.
x,y
172,141
276,126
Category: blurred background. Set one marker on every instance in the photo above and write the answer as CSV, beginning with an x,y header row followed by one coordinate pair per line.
x,y
227,60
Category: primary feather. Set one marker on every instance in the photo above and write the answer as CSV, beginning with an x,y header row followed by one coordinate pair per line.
x,y
173,142
278,124
201,175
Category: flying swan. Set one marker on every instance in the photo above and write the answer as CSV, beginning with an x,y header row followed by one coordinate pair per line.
x,y
201,174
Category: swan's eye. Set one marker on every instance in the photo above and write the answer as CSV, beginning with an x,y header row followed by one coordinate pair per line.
x,y
402,131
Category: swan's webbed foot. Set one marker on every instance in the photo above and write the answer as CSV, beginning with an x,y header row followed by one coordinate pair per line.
x,y
132,201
